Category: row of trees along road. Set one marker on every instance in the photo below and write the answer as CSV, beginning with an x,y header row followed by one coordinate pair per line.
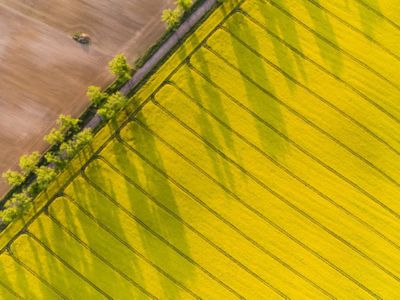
x,y
66,139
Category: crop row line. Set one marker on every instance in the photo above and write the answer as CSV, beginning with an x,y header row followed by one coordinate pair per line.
x,y
11,291
36,275
282,167
154,200
230,193
312,156
259,118
331,169
201,202
355,29
117,237
312,124
378,13
157,235
297,52
100,257
264,186
332,44
174,215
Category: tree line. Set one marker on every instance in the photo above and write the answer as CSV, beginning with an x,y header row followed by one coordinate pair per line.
x,y
65,140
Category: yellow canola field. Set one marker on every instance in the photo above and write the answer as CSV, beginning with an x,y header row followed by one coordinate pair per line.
x,y
261,161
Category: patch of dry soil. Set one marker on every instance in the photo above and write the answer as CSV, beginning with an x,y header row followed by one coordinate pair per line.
x,y
43,72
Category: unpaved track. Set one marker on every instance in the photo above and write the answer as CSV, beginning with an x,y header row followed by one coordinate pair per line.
x,y
43,72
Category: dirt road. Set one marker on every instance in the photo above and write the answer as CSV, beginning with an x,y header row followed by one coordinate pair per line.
x,y
43,72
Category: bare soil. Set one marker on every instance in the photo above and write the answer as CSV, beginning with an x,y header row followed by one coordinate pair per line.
x,y
44,72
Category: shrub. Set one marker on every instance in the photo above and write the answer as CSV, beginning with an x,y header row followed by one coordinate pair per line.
x,y
13,178
95,95
8,215
33,189
67,148
120,67
171,17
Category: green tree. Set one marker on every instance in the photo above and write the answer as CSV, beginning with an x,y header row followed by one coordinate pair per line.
x,y
184,4
8,215
66,123
120,67
68,149
15,207
29,162
54,137
44,175
55,159
114,103
95,95
82,138
13,178
171,17
20,200
71,147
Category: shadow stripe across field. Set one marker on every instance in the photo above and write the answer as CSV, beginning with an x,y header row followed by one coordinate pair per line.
x,y
332,44
159,203
303,56
242,169
249,173
365,128
274,129
295,48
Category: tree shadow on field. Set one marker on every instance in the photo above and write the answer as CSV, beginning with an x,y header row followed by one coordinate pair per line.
x,y
211,133
278,17
127,164
91,198
369,13
285,28
19,284
265,107
322,24
49,235
47,273
43,267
